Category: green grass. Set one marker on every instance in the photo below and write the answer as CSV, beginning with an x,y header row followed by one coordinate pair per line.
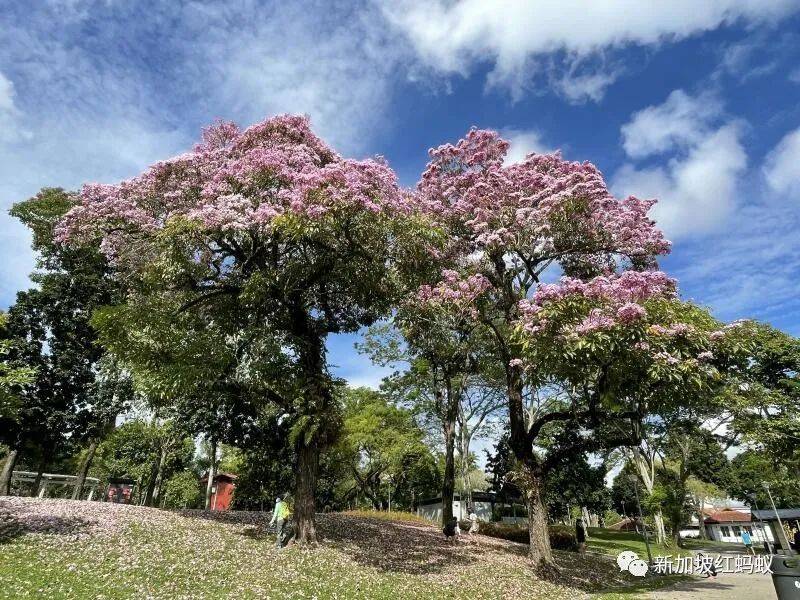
x,y
612,542
640,587
394,515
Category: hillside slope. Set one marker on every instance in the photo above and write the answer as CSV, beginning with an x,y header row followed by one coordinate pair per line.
x,y
70,549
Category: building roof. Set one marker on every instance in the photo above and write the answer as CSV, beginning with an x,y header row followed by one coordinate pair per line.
x,y
783,513
728,516
220,477
626,524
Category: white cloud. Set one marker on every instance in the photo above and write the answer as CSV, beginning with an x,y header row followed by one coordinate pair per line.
x,y
681,121
782,165
696,193
512,36
339,71
582,88
10,127
749,270
523,142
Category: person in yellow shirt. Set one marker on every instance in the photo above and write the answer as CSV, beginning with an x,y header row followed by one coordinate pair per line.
x,y
280,518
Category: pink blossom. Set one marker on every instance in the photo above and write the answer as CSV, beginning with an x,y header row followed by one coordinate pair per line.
x,y
237,180
630,311
452,289
529,202
666,357
594,322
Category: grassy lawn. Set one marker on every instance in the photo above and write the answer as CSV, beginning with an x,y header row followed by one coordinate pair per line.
x,y
65,549
637,589
612,542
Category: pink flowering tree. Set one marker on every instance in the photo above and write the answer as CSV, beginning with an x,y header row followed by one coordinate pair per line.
x,y
642,364
439,324
511,223
265,240
436,336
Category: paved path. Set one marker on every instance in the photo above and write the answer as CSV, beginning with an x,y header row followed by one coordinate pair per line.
x,y
725,586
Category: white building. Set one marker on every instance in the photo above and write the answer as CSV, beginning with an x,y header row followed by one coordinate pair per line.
x,y
728,525
483,502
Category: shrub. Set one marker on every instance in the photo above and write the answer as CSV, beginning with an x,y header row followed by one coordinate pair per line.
x,y
561,537
394,515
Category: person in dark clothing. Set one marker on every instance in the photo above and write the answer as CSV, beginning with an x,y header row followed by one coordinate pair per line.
x,y
580,535
797,540
451,530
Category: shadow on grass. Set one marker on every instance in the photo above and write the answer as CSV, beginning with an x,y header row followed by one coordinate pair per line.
x,y
408,547
18,522
388,546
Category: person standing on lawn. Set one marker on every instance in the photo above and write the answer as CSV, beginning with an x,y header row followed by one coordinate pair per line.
x,y
473,522
748,542
279,517
451,530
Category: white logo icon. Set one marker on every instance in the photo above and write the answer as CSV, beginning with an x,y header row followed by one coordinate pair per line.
x,y
630,561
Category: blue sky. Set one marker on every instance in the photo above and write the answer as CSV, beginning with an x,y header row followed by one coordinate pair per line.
x,y
694,103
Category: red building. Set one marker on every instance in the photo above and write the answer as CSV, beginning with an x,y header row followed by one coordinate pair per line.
x,y
221,491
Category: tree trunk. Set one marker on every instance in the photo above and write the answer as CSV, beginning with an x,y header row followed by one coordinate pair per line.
x,y
8,471
211,473
83,470
531,480
160,473
39,472
661,532
449,430
646,469
465,440
315,406
538,531
701,519
305,486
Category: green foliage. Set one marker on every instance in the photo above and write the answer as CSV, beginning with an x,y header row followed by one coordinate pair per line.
x,y
72,391
382,451
623,494
13,377
767,392
182,490
135,449
561,537
751,469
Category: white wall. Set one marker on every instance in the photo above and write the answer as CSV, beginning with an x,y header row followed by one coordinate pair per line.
x,y
433,512
728,533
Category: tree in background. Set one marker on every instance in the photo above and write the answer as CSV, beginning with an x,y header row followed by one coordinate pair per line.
x,y
447,383
700,493
748,472
75,396
623,494
12,377
500,469
767,387
135,447
383,450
